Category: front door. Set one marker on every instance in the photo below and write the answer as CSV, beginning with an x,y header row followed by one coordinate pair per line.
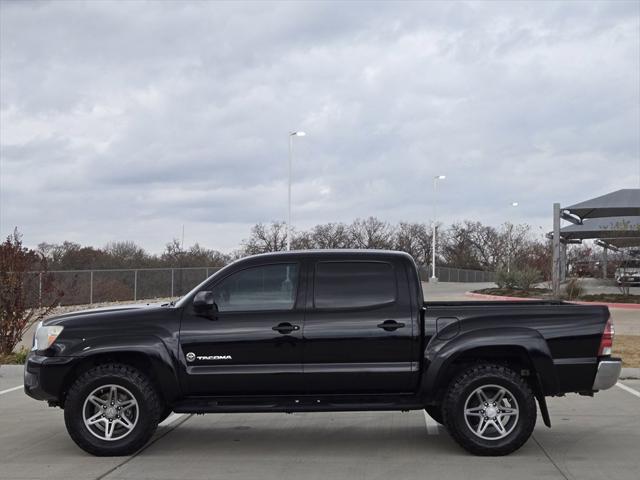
x,y
252,345
359,329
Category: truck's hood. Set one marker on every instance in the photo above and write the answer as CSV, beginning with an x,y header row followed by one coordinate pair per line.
x,y
102,310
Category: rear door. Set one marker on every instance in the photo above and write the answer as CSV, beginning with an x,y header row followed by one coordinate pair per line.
x,y
253,345
359,328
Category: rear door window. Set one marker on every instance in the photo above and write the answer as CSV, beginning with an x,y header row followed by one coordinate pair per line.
x,y
354,284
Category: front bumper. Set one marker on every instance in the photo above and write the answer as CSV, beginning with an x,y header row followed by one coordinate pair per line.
x,y
44,376
607,374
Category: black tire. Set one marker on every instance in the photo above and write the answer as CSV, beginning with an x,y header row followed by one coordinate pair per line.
x,y
435,412
486,376
165,413
150,407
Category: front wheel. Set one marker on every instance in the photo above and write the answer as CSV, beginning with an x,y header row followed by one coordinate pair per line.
x,y
112,410
489,410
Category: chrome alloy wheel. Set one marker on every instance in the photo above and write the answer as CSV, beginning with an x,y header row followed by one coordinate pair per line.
x,y
110,412
491,412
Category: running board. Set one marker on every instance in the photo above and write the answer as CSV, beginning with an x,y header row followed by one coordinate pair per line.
x,y
296,404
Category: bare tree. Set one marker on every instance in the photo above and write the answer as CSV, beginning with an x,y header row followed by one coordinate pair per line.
x,y
515,240
17,311
271,238
302,241
458,248
126,254
173,252
415,239
330,235
371,233
198,256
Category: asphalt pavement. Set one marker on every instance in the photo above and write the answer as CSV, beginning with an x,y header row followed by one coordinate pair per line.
x,y
591,438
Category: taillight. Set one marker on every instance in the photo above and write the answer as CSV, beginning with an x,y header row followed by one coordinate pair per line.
x,y
606,343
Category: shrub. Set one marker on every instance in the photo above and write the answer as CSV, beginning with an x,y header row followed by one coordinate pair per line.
x,y
21,356
505,279
573,289
526,277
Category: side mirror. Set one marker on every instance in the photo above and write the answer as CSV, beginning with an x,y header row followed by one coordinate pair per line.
x,y
204,302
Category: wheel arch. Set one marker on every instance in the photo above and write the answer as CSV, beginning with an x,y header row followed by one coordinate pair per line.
x,y
148,359
523,348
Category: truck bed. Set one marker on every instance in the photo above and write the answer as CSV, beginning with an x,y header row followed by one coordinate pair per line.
x,y
571,331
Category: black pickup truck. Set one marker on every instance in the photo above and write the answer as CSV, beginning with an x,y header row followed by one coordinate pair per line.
x,y
319,331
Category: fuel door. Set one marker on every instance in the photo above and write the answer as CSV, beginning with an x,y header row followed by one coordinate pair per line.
x,y
447,327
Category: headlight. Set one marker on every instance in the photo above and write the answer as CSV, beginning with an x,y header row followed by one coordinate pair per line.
x,y
45,336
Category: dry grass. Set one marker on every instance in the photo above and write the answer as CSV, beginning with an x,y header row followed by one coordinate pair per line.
x,y
627,347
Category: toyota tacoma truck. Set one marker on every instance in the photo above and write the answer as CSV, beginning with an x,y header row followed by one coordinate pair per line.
x,y
319,331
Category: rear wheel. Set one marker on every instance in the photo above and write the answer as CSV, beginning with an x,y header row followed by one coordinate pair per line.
x,y
165,414
112,410
489,410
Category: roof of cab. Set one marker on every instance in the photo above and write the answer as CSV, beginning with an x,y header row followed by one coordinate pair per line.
x,y
333,253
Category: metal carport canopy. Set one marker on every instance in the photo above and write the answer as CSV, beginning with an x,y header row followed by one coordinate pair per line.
x,y
625,202
612,229
622,242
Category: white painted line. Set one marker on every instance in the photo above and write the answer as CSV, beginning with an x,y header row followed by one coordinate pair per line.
x,y
170,419
11,389
622,386
432,425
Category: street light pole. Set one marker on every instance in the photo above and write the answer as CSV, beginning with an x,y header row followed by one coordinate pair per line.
x,y
434,232
291,135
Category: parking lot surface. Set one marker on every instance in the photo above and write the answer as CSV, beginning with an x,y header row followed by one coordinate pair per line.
x,y
591,438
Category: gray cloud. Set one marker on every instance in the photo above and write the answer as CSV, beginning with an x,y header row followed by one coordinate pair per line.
x,y
129,119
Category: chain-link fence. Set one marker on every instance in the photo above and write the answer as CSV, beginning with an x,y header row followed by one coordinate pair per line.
x,y
463,275
97,286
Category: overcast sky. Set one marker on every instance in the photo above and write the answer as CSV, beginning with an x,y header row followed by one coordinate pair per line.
x,y
126,120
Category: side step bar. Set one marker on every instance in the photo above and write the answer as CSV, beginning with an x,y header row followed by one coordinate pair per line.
x,y
294,404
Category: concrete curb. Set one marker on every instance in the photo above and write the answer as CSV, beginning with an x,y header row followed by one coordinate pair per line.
x,y
625,306
630,374
484,296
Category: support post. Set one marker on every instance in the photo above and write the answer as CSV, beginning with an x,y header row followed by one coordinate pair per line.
x,y
172,282
40,289
135,285
563,261
91,288
605,252
555,265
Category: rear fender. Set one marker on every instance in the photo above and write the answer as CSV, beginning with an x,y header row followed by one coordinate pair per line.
x,y
440,356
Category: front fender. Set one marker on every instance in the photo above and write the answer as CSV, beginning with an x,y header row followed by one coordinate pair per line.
x,y
154,350
440,354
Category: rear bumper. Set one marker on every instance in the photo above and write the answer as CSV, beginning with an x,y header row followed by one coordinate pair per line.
x,y
607,374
